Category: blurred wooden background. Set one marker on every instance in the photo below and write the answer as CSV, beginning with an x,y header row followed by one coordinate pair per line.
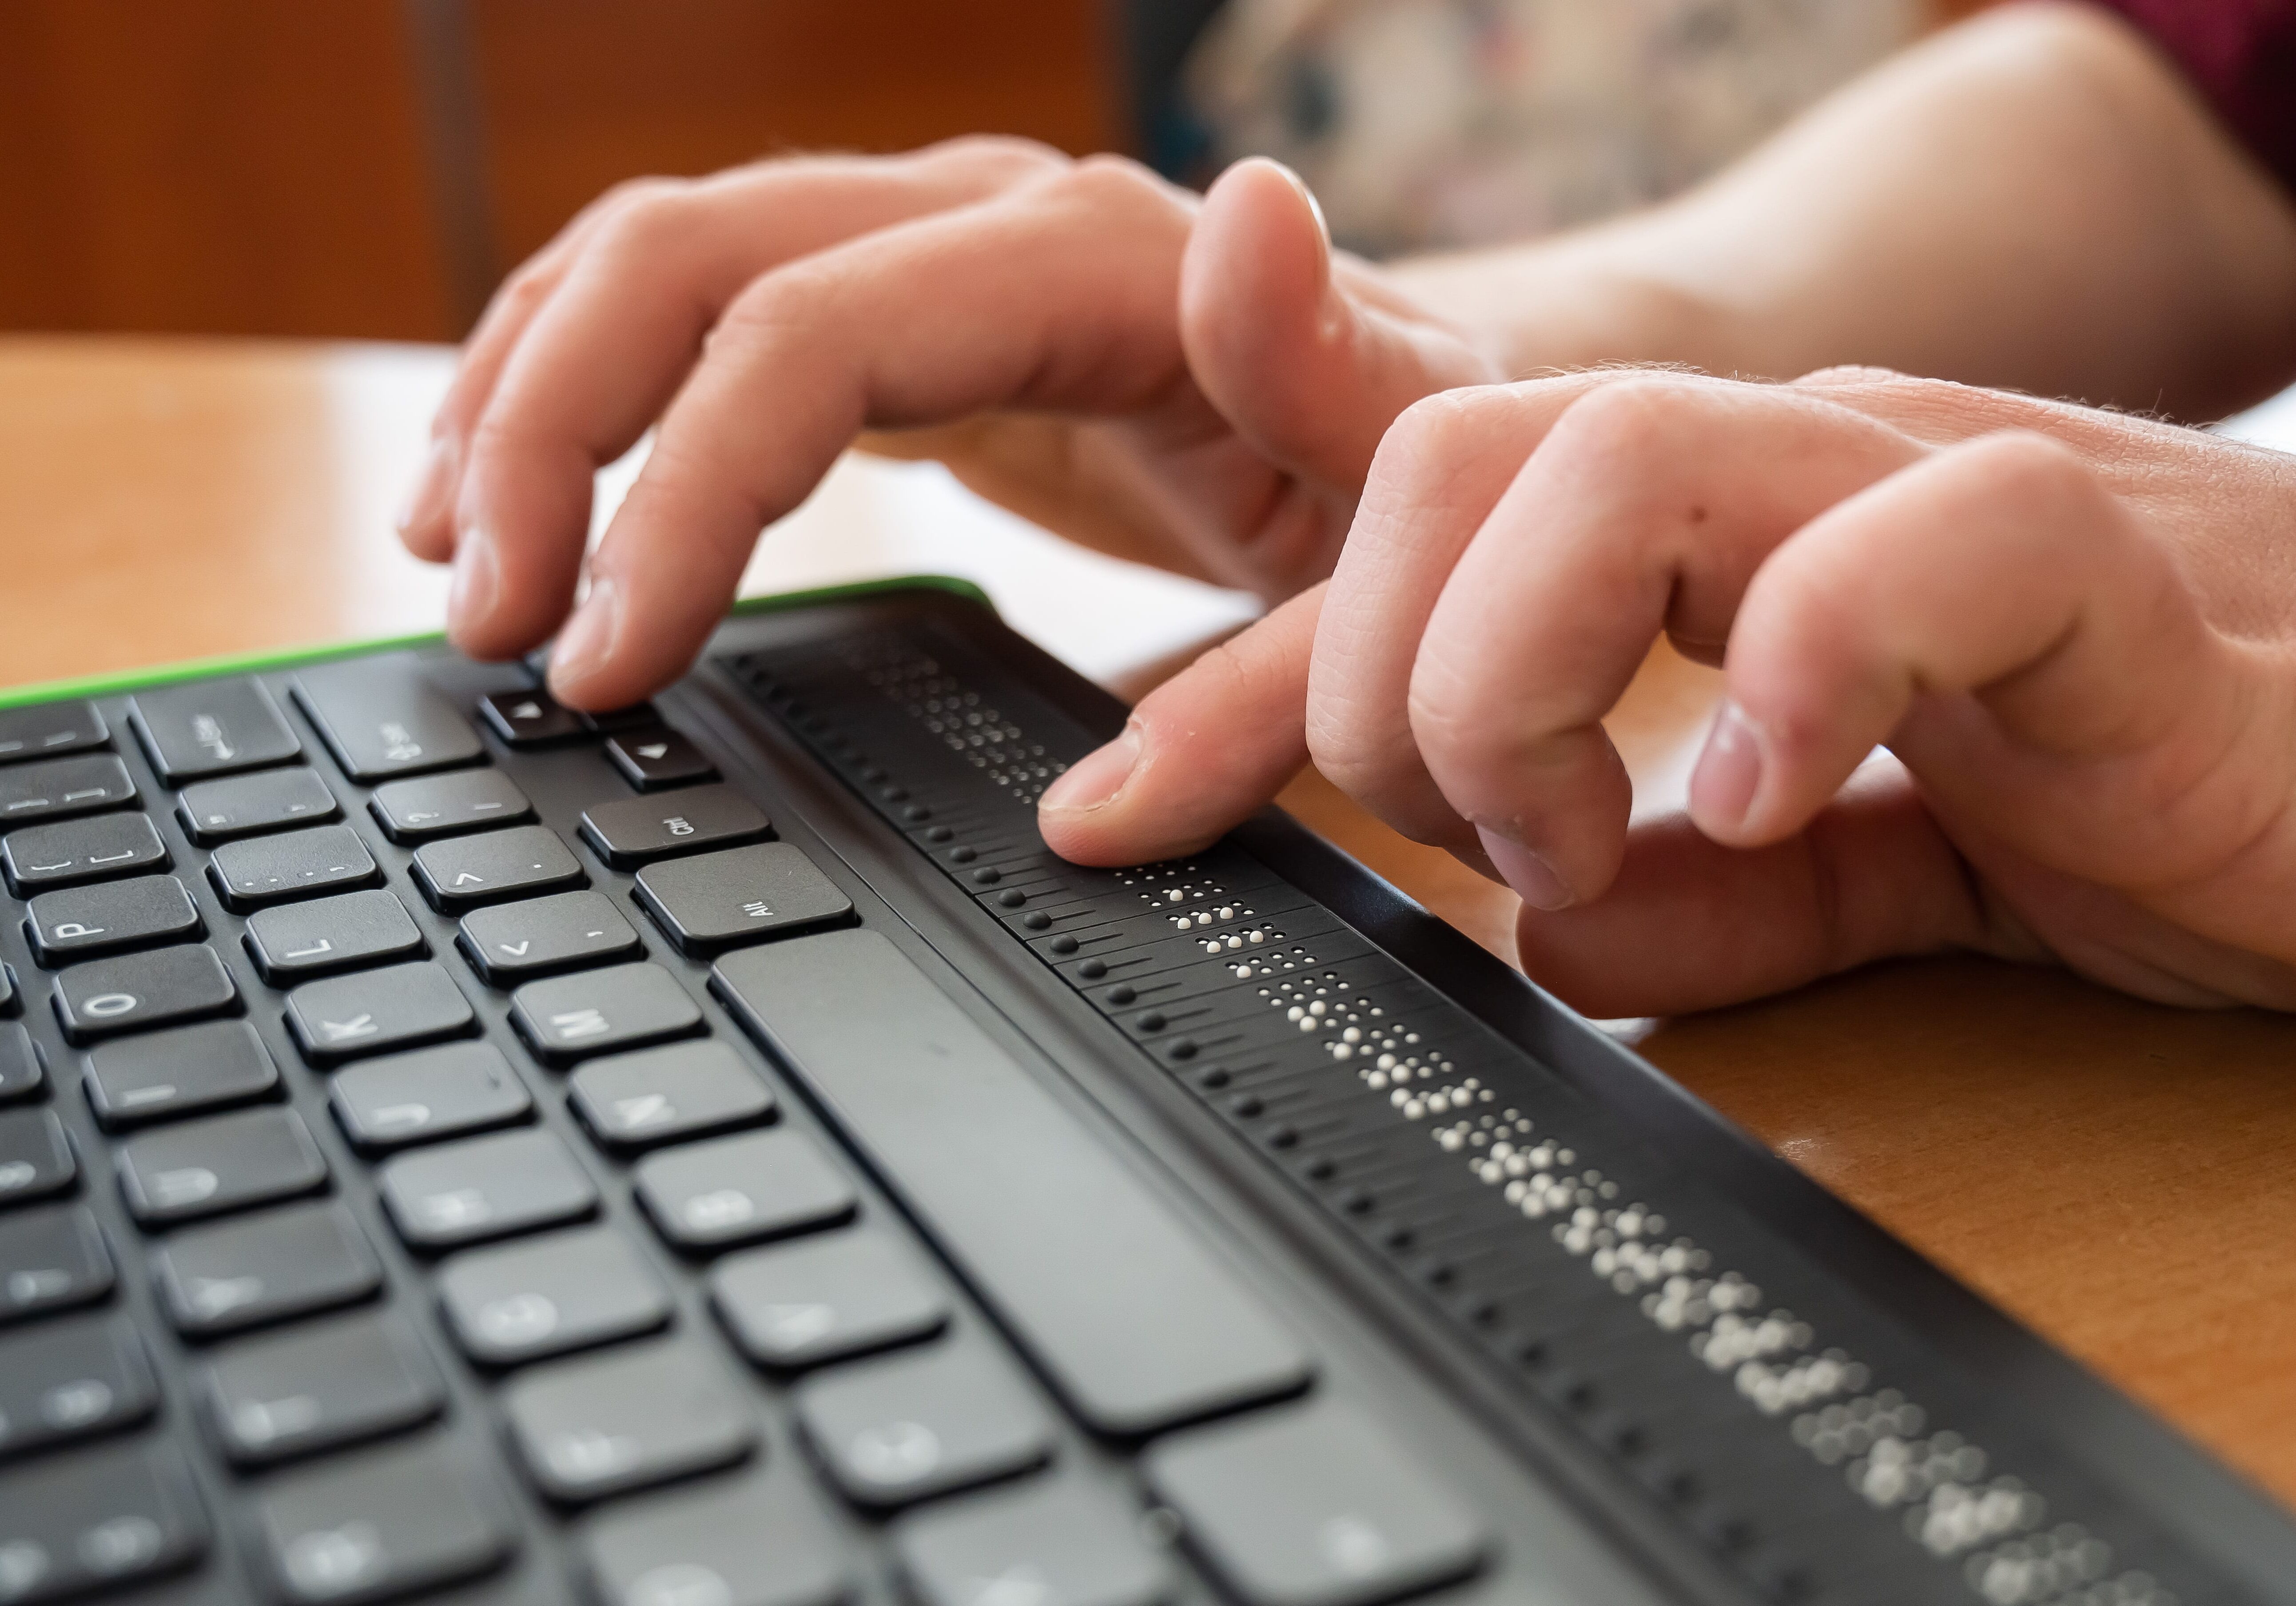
x,y
369,167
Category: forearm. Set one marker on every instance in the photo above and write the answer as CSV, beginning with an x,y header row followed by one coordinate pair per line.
x,y
2033,201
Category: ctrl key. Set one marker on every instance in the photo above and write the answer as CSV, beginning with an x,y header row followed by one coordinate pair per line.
x,y
389,1523
100,1519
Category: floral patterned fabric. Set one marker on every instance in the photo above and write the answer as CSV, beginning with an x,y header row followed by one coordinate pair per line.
x,y
1429,123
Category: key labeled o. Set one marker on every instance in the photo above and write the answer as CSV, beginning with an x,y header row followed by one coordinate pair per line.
x,y
104,1006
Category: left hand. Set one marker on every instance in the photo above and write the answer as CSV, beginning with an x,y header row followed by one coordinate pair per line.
x,y
2074,633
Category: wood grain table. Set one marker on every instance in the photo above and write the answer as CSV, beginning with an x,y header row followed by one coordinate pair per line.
x,y
2121,1177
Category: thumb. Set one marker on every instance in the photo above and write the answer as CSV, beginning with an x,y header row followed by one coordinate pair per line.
x,y
1309,361
1201,752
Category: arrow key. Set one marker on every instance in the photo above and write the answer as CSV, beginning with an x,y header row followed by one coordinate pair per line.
x,y
296,942
657,756
462,872
375,1012
524,719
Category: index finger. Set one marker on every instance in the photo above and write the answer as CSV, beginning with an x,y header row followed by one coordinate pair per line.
x,y
1036,300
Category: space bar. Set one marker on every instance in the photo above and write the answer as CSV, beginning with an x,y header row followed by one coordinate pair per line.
x,y
1131,1317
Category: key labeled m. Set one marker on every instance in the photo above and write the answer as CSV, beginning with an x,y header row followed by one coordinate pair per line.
x,y
575,1025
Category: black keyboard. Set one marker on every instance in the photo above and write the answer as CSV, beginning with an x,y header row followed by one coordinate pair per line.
x,y
453,1147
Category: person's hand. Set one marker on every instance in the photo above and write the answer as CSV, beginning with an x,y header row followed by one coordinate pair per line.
x,y
2074,633
1199,384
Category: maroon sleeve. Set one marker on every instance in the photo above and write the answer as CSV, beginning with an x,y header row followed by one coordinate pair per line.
x,y
2241,54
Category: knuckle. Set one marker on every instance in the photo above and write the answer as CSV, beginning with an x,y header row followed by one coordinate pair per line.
x,y
652,212
999,154
2026,465
1637,419
1103,182
1418,449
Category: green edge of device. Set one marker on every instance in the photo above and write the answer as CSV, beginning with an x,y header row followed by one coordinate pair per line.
x,y
285,657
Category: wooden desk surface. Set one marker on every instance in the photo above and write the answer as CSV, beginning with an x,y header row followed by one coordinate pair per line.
x,y
2121,1177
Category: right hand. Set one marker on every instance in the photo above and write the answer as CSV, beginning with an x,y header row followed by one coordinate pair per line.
x,y
1196,383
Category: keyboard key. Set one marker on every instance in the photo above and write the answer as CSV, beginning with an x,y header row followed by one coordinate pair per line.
x,y
107,996
12,999
381,718
637,1416
714,900
22,1071
1318,1506
1065,1543
293,864
98,850
638,1100
630,831
528,720
484,1187
799,1305
431,1093
652,758
62,787
462,872
226,1162
101,1520
295,942
35,1157
391,1522
110,918
438,806
50,1260
72,1380
1137,1339
283,1263
909,1426
549,1296
759,1539
51,729
246,806
211,727
164,1075
317,1388
376,1012
510,943
599,1011
710,1195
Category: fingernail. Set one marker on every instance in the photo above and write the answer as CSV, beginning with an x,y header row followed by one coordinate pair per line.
x,y
1323,225
1729,770
1094,779
426,498
478,577
1526,871
588,639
